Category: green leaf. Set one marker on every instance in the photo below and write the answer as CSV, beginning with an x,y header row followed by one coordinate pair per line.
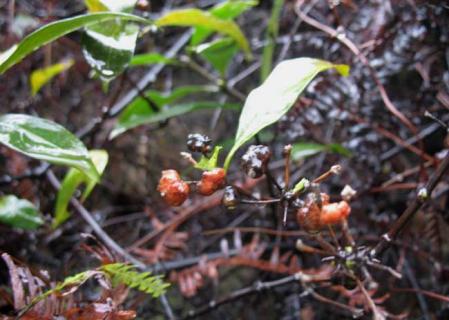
x,y
73,179
269,102
95,6
302,150
209,163
110,5
40,77
151,58
147,116
45,140
19,213
305,149
227,10
199,18
338,148
109,46
143,281
139,107
219,53
55,30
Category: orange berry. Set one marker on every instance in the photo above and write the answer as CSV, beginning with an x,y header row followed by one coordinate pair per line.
x,y
335,212
173,189
312,218
211,181
309,218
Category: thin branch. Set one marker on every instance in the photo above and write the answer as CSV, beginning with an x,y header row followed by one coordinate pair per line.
x,y
423,196
257,287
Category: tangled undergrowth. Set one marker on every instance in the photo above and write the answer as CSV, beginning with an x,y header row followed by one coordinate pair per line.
x,y
337,209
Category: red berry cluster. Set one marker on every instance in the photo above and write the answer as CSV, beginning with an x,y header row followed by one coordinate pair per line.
x,y
175,190
313,216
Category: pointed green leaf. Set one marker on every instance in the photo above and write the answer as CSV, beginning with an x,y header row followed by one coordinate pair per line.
x,y
305,149
55,30
19,213
219,53
151,58
147,116
338,148
73,179
199,18
45,140
139,108
227,10
40,77
269,102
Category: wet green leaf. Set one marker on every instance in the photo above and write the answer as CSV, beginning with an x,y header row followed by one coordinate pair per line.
x,y
219,53
151,58
147,116
109,46
204,19
73,179
45,140
270,101
40,77
55,30
19,213
139,108
227,10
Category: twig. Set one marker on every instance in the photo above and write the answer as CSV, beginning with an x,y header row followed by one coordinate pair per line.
x,y
424,195
150,76
192,65
377,315
87,216
421,300
255,288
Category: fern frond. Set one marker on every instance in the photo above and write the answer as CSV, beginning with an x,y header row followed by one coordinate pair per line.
x,y
142,281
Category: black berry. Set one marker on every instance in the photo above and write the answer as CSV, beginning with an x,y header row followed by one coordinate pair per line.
x,y
197,142
255,160
230,198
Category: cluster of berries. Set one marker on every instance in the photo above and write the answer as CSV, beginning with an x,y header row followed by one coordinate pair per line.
x,y
174,190
313,209
317,213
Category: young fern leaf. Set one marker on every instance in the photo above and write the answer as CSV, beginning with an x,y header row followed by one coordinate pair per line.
x,y
142,281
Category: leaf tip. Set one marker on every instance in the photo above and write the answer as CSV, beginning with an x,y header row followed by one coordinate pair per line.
x,y
343,69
